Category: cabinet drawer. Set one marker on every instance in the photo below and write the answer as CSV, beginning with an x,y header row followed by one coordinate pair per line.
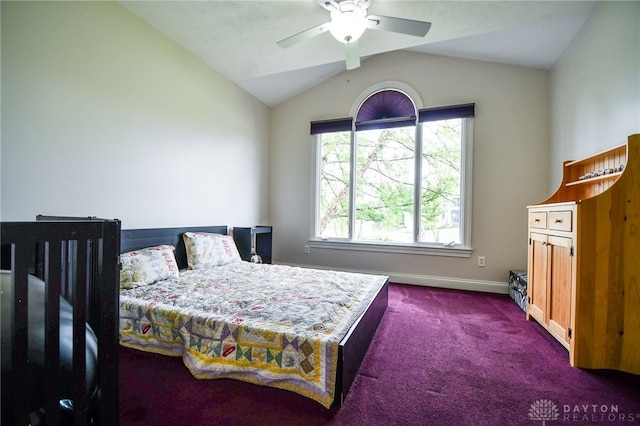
x,y
538,220
560,220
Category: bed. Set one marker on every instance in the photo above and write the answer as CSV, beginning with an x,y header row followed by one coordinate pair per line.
x,y
245,321
59,321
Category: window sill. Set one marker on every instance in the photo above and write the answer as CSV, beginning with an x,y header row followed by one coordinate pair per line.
x,y
392,248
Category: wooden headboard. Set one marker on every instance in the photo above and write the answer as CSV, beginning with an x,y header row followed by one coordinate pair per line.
x,y
135,239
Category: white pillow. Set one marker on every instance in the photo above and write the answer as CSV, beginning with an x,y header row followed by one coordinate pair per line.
x,y
147,266
205,250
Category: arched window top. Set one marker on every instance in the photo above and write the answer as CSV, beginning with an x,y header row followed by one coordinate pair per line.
x,y
385,109
390,104
386,104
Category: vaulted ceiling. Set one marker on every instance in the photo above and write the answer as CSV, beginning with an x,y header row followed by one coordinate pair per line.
x,y
238,38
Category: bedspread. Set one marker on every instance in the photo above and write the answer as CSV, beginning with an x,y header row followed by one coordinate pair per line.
x,y
272,325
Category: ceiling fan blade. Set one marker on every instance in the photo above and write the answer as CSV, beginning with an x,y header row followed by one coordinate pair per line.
x,y
304,35
352,55
398,25
330,5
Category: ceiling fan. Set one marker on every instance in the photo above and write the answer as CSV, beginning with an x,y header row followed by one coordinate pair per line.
x,y
348,22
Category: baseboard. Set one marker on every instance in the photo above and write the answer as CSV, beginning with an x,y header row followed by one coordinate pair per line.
x,y
452,283
430,281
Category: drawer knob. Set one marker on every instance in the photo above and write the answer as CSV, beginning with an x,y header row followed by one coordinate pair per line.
x,y
536,220
558,220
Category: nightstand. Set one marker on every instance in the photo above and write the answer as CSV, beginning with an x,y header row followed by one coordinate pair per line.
x,y
256,237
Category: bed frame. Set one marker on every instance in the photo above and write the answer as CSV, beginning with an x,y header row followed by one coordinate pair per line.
x,y
77,258
353,346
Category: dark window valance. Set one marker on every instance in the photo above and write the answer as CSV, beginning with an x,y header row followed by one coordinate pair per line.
x,y
447,112
332,125
389,110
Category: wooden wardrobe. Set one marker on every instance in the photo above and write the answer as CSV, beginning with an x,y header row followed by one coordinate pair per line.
x,y
584,260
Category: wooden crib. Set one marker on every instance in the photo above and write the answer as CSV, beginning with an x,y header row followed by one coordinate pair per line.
x,y
75,262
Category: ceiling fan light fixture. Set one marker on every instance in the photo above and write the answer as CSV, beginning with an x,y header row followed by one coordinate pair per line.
x,y
348,26
349,21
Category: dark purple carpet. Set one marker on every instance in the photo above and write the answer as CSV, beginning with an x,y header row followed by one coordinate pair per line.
x,y
440,357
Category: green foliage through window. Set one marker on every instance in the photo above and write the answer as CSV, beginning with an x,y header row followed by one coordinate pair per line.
x,y
385,197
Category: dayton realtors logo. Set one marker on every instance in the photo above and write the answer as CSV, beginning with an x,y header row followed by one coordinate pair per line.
x,y
545,410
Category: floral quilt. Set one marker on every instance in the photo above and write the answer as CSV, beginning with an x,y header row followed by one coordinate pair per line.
x,y
272,325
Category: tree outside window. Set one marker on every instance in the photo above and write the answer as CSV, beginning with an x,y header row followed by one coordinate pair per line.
x,y
372,189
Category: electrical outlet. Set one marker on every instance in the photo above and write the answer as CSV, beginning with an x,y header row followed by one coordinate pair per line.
x,y
481,261
307,249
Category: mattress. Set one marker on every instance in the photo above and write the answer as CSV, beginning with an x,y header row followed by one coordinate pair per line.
x,y
271,325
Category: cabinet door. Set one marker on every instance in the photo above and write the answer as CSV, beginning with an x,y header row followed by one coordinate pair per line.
x,y
537,277
559,308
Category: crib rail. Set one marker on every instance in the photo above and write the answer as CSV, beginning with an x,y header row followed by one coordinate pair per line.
x,y
77,259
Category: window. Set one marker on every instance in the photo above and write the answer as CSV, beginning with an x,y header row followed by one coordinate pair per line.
x,y
396,176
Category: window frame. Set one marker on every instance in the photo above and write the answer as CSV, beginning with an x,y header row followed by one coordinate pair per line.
x,y
462,249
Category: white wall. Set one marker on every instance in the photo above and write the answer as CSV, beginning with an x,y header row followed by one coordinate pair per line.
x,y
511,136
102,115
595,86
